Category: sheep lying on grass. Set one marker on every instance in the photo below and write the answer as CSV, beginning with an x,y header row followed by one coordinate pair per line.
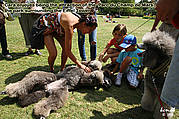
x,y
54,88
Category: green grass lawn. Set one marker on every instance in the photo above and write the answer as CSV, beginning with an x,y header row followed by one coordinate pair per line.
x,y
117,103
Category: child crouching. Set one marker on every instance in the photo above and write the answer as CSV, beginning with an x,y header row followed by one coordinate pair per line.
x,y
119,32
129,61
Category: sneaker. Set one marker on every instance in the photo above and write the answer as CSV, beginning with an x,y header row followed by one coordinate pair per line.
x,y
29,53
167,110
171,113
8,56
38,52
118,79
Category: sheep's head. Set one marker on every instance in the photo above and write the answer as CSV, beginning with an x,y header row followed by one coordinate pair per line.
x,y
158,46
93,65
151,55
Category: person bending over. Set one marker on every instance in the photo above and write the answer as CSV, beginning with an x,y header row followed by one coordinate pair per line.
x,y
60,25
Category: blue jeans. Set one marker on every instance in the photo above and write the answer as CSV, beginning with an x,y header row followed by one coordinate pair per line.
x,y
3,39
81,45
170,91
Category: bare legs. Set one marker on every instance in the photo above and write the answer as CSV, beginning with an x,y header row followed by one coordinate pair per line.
x,y
111,53
63,55
125,64
50,45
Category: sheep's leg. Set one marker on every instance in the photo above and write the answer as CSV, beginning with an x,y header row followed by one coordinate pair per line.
x,y
157,114
24,86
147,101
58,91
53,102
31,98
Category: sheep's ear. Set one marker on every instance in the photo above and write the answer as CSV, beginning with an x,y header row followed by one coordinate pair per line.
x,y
85,62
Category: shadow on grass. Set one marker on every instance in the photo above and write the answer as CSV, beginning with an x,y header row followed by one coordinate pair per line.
x,y
14,55
122,94
8,101
19,76
133,113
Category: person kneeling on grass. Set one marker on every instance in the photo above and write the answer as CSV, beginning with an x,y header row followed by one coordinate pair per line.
x,y
119,32
130,61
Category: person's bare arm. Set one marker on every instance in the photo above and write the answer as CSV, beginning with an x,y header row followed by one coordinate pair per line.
x,y
167,9
155,24
68,27
103,52
114,54
110,56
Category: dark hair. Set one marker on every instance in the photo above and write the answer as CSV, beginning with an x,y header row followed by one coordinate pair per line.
x,y
90,20
120,27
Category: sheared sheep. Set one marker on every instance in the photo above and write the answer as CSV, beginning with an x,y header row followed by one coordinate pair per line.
x,y
55,87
